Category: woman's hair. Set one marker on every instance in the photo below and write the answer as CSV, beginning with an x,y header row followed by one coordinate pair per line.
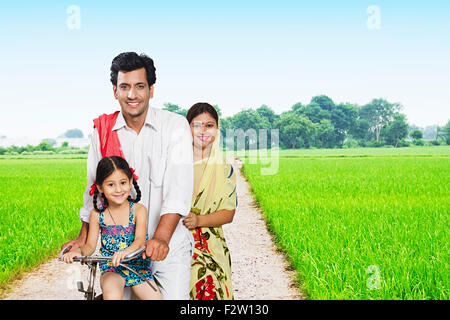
x,y
130,61
199,108
105,168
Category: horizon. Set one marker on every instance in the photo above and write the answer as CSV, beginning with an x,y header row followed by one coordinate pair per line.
x,y
87,133
57,54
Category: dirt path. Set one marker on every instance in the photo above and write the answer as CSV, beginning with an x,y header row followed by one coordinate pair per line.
x,y
259,271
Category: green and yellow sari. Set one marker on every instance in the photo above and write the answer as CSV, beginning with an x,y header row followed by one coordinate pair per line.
x,y
214,190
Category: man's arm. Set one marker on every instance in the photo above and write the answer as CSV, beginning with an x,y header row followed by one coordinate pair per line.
x,y
158,247
177,187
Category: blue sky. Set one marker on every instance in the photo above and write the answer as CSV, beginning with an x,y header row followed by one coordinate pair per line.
x,y
235,54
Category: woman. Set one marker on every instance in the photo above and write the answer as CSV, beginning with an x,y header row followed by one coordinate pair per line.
x,y
213,205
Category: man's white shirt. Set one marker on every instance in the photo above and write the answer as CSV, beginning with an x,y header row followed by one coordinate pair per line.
x,y
162,156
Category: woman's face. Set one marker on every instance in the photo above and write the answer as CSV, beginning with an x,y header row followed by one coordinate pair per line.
x,y
204,130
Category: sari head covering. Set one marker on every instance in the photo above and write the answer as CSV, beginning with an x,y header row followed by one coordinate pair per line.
x,y
214,190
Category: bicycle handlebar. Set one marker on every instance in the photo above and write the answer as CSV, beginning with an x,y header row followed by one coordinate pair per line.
x,y
94,259
84,259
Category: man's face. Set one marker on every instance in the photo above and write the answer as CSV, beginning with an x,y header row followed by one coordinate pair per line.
x,y
133,92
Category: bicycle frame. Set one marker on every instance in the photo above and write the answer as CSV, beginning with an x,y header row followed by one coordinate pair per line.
x,y
92,263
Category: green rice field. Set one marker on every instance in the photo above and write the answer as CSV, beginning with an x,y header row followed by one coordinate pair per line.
x,y
361,223
40,201
354,223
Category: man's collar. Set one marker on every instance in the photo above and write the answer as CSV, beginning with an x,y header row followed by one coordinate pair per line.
x,y
150,119
120,122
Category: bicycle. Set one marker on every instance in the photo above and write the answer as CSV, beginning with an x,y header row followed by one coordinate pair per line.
x,y
92,263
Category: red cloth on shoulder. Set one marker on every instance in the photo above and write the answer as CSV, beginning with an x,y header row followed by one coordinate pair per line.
x,y
109,140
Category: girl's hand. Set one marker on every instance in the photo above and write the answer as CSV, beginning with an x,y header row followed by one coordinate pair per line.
x,y
118,257
68,257
191,221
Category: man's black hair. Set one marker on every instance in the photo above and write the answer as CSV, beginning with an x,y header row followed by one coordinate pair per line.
x,y
129,61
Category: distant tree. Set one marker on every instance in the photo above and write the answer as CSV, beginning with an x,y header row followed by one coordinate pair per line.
x,y
325,137
267,113
313,111
396,130
225,123
51,142
73,133
65,144
295,130
171,107
44,146
343,118
378,113
325,102
175,108
444,133
249,121
416,135
296,107
361,130
219,112
28,148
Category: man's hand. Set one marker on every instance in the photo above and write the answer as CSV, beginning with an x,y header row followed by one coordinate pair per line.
x,y
74,244
157,249
80,240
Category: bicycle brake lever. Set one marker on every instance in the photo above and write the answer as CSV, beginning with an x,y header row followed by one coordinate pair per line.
x,y
134,254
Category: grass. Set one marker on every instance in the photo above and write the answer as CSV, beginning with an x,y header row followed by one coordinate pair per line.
x,y
355,223
40,201
372,227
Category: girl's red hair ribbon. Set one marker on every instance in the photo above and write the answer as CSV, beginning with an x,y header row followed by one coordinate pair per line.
x,y
93,188
135,177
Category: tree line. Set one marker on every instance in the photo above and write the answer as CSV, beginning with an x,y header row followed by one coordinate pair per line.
x,y
324,124
45,147
319,124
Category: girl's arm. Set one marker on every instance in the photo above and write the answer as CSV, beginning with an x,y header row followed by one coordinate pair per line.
x,y
92,237
215,219
91,243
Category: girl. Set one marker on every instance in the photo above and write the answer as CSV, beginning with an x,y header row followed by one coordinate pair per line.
x,y
213,205
122,223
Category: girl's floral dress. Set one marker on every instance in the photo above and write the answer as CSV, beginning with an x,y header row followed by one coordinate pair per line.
x,y
116,238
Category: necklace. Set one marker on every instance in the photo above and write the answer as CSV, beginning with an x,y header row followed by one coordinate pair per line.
x,y
111,216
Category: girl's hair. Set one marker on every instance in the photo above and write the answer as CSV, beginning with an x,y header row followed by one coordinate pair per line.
x,y
105,168
202,107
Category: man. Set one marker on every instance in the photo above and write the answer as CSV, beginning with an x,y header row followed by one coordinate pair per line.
x,y
158,145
